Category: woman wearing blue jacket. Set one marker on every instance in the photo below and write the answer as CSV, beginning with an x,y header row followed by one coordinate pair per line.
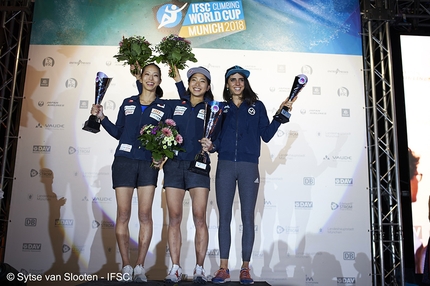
x,y
131,167
245,123
189,115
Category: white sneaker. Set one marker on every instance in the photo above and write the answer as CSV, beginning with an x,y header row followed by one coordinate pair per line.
x,y
127,273
139,274
175,274
199,275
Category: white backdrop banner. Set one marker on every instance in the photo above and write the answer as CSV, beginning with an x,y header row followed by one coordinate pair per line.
x,y
314,171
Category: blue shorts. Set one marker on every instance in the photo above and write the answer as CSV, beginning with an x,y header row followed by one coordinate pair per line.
x,y
133,173
177,175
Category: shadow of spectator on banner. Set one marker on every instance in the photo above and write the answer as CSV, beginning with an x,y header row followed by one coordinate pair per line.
x,y
303,169
161,250
266,201
103,247
55,227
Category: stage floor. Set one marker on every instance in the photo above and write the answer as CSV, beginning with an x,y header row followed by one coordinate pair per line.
x,y
161,283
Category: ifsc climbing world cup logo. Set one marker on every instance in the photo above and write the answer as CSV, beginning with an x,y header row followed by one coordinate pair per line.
x,y
169,16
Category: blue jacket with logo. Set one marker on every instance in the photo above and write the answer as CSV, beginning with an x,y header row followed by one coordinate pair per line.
x,y
189,122
130,121
241,131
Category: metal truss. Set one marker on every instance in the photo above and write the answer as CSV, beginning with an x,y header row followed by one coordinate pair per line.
x,y
383,150
15,28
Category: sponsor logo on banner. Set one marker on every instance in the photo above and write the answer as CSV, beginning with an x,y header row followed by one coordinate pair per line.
x,y
214,252
343,92
40,103
65,248
316,90
345,280
303,204
348,255
338,71
343,181
317,112
102,199
51,126
44,82
341,206
281,68
107,224
48,62
46,173
78,63
31,247
200,19
258,254
308,181
84,104
54,104
341,158
339,230
306,69
30,221
95,224
79,150
42,149
71,83
63,222
269,205
46,197
310,280
109,105
287,229
346,112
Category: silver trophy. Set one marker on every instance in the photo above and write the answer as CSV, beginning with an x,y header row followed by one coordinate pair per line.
x,y
102,84
284,114
201,163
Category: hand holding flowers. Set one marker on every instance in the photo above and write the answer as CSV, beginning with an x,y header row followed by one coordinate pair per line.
x,y
163,140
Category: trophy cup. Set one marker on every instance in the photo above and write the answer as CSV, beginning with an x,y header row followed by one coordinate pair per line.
x,y
283,115
102,84
201,163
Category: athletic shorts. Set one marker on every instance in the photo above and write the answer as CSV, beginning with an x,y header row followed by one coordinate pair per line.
x,y
177,175
133,173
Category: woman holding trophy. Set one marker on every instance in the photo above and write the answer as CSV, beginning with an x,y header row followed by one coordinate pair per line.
x,y
131,167
186,173
245,123
180,174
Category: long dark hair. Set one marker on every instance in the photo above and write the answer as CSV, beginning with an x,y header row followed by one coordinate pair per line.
x,y
248,95
208,94
158,91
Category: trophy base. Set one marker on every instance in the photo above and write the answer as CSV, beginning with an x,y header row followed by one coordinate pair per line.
x,y
92,124
283,116
201,165
200,168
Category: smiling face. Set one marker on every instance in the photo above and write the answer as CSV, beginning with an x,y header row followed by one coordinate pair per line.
x,y
198,85
151,78
236,84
